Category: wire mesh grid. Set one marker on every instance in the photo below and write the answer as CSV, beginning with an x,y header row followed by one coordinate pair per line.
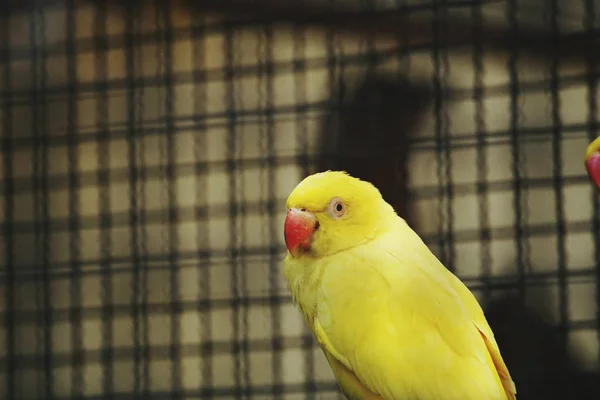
x,y
147,153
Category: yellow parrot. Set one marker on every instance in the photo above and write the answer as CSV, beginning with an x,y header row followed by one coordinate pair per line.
x,y
592,161
393,322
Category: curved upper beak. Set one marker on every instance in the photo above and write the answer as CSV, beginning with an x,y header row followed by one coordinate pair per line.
x,y
592,161
298,230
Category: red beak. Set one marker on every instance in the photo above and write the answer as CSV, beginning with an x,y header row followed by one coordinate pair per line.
x,y
592,164
298,229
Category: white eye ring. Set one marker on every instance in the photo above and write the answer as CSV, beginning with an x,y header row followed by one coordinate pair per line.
x,y
336,209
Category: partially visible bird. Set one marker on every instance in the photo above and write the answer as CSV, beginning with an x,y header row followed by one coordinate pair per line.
x,y
592,161
393,322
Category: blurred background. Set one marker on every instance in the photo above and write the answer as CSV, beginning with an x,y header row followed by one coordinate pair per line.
x,y
148,148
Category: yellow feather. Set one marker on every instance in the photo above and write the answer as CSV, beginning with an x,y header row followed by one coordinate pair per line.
x,y
394,323
592,148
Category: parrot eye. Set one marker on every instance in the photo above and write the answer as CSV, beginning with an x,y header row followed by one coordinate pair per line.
x,y
337,209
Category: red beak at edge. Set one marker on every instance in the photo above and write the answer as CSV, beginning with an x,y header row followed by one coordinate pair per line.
x,y
592,165
298,229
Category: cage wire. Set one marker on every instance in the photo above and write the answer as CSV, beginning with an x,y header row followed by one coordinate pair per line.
x,y
147,152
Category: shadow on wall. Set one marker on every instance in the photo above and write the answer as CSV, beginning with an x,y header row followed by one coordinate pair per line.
x,y
367,136
368,139
540,364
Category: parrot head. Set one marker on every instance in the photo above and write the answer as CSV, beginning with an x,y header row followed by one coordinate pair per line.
x,y
331,211
592,161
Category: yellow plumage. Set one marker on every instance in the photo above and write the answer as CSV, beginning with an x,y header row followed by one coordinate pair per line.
x,y
394,323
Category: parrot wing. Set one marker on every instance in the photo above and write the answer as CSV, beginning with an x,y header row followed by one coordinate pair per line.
x,y
352,387
406,327
482,325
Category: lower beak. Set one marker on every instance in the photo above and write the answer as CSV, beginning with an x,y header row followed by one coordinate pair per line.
x,y
298,230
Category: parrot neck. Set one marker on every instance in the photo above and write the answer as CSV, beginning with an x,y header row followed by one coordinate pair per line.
x,y
304,277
